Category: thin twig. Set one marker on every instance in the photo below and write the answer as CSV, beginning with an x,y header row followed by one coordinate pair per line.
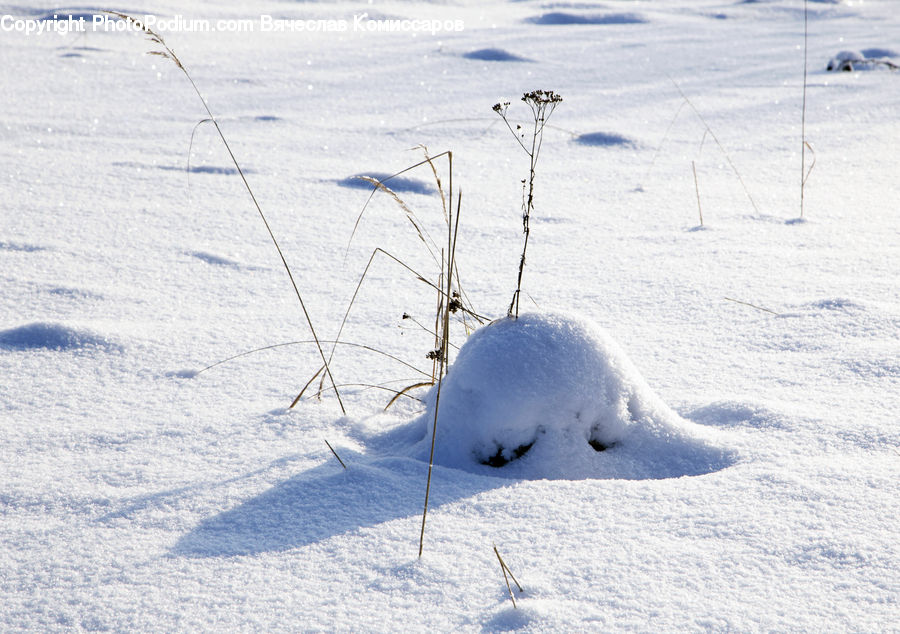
x,y
386,179
716,139
503,563
765,310
505,569
335,453
444,355
697,189
405,390
306,387
803,144
308,341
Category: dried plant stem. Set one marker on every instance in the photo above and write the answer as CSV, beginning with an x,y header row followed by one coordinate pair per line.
x,y
383,386
765,310
310,341
716,139
335,453
697,190
507,574
526,227
404,391
803,143
542,104
169,54
444,356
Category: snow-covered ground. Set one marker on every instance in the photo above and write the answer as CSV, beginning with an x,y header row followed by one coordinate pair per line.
x,y
751,477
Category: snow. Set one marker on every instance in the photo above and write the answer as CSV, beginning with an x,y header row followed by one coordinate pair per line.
x,y
553,396
756,489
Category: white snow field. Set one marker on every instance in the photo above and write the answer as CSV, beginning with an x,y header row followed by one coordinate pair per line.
x,y
741,378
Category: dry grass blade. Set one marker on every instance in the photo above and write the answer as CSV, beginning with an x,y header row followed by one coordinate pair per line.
x,y
306,387
384,180
765,310
505,570
433,333
659,147
803,143
812,165
335,453
697,190
437,180
190,150
716,139
444,358
422,233
380,386
311,341
169,54
405,390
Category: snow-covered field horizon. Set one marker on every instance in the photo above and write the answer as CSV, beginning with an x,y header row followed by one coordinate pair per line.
x,y
699,424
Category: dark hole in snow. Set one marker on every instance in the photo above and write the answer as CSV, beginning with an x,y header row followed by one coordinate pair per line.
x,y
498,459
597,445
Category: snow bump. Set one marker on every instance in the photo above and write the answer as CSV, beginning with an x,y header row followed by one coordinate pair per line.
x,y
553,396
494,55
561,18
604,139
50,336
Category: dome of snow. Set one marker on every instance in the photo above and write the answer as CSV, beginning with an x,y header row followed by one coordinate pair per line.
x,y
553,396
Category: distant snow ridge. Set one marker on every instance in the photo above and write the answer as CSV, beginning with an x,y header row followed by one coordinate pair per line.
x,y
494,55
50,336
862,60
553,396
561,18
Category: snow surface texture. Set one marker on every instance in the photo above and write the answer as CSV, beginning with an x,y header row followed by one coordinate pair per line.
x,y
553,396
139,493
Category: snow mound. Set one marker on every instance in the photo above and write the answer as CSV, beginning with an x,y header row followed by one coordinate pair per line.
x,y
562,18
49,336
494,55
553,396
604,139
855,60
213,259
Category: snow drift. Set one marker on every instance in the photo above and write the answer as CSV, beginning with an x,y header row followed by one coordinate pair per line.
x,y
553,396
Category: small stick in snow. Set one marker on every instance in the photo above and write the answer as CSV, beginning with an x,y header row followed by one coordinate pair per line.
x,y
697,189
335,454
505,569
765,310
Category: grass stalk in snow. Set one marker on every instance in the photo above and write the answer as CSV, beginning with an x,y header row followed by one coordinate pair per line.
x,y
453,297
718,143
765,310
803,109
335,453
804,145
507,574
542,104
697,190
444,350
168,53
312,341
